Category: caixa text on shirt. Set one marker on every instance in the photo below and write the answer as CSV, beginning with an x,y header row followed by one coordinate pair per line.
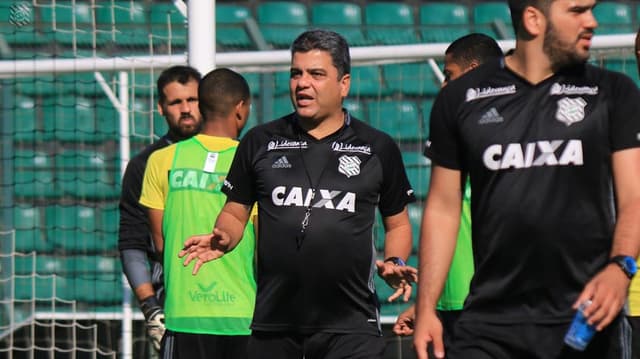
x,y
533,154
299,197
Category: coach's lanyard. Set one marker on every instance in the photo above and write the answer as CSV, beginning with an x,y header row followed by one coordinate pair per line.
x,y
314,187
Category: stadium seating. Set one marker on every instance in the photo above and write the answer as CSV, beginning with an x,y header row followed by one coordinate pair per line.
x,y
425,109
614,17
366,81
390,23
25,118
86,174
356,109
168,25
69,118
33,175
230,28
344,18
123,23
282,21
29,226
70,23
493,19
412,79
400,119
443,22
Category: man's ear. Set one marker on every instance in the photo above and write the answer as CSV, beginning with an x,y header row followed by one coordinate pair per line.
x,y
533,21
160,110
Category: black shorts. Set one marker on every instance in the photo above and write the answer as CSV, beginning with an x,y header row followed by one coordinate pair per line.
x,y
536,341
269,345
177,345
635,328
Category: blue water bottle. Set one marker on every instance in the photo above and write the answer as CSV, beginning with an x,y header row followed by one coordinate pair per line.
x,y
580,332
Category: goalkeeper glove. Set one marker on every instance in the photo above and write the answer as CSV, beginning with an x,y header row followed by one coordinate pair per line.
x,y
154,321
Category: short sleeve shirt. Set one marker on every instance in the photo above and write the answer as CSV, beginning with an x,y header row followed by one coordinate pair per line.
x,y
322,279
539,160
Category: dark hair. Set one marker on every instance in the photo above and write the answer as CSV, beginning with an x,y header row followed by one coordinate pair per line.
x,y
220,90
325,40
181,74
473,47
516,7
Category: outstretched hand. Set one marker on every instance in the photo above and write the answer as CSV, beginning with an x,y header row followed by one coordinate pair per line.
x,y
398,278
204,248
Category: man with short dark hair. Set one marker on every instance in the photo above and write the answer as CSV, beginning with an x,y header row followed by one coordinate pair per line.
x,y
177,88
552,150
207,316
318,176
463,55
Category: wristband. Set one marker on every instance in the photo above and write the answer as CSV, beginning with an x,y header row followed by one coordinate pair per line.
x,y
150,306
396,260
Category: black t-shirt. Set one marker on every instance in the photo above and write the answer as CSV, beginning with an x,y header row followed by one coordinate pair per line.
x,y
323,282
539,159
134,230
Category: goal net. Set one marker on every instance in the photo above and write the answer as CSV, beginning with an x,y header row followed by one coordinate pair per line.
x,y
78,99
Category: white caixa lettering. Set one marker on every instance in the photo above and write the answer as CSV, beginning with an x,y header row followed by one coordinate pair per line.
x,y
533,154
299,197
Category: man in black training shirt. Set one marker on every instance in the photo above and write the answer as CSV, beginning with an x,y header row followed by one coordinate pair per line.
x,y
177,88
551,145
317,176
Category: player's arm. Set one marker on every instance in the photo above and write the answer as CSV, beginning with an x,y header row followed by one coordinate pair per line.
x,y
608,289
438,234
225,236
397,245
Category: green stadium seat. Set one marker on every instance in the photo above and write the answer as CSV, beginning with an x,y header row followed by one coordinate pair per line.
x,y
443,21
390,23
281,21
356,109
123,23
70,23
419,177
343,18
70,118
412,79
107,120
141,118
38,287
25,118
72,229
44,85
366,81
17,25
614,17
98,289
415,218
33,175
29,226
425,108
40,264
281,79
80,83
230,28
625,65
86,174
87,265
168,25
493,19
282,106
399,119
254,81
